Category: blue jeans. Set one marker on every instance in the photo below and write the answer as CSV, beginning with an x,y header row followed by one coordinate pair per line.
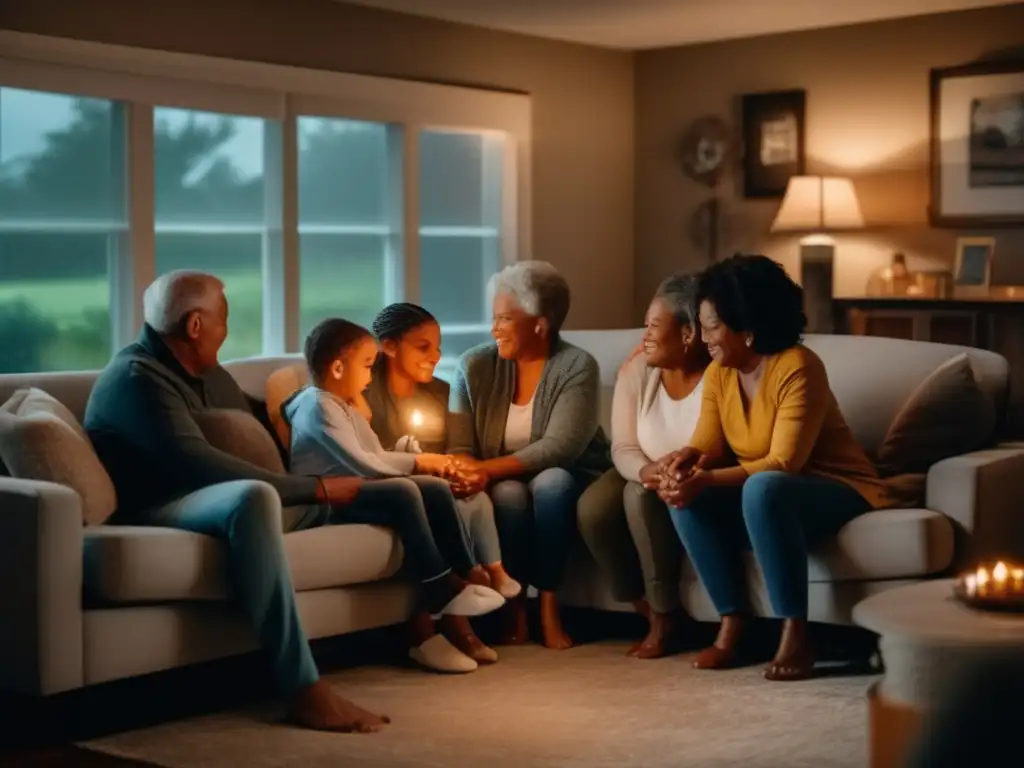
x,y
536,522
776,513
247,516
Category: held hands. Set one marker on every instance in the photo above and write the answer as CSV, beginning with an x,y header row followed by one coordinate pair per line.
x,y
466,478
677,477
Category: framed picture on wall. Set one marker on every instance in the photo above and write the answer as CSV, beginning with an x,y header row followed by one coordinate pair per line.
x,y
972,271
977,144
773,141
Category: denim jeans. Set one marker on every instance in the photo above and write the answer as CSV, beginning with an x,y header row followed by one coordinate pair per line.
x,y
478,515
536,521
247,516
779,515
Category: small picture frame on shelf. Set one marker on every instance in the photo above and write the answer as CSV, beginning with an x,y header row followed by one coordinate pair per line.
x,y
972,271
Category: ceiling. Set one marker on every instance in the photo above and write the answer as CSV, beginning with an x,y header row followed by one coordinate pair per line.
x,y
641,24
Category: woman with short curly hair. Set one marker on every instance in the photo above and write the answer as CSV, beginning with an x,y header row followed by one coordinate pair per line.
x,y
771,459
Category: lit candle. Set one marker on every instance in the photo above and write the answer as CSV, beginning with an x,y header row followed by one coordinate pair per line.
x,y
999,574
982,580
416,419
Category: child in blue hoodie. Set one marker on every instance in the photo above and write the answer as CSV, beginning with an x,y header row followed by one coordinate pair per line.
x,y
403,491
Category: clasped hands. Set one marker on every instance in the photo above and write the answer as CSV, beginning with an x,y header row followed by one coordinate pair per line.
x,y
677,477
461,472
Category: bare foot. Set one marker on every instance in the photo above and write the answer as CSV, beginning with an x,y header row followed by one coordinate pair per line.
x,y
320,708
516,624
460,633
554,634
660,638
722,654
795,658
479,575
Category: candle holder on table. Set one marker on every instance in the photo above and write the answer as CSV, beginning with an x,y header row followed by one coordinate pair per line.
x,y
992,587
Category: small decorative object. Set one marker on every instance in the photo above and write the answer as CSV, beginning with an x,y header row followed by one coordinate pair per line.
x,y
817,206
977,136
893,280
704,153
973,268
998,587
773,141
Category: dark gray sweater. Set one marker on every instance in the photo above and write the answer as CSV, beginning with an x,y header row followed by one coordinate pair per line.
x,y
565,430
140,420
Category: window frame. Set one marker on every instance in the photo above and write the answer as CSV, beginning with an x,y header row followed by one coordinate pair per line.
x,y
143,79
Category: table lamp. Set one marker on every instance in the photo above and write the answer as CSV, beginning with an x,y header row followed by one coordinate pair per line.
x,y
818,206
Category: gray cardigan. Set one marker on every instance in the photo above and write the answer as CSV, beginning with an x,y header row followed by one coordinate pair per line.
x,y
565,431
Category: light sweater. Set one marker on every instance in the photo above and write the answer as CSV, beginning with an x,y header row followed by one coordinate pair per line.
x,y
330,437
646,423
792,424
564,423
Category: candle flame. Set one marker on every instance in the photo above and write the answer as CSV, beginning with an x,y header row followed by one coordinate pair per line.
x,y
1000,572
416,418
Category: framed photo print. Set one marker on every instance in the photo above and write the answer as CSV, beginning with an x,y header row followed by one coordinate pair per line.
x,y
977,142
972,271
773,141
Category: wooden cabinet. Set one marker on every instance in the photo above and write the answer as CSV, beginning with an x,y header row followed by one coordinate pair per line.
x,y
996,325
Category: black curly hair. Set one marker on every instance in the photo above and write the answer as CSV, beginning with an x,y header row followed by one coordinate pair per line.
x,y
328,341
396,320
753,294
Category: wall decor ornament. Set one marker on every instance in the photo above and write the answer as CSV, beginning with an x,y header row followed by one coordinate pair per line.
x,y
977,145
773,141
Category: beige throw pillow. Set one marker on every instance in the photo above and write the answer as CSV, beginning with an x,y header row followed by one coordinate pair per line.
x,y
281,385
40,439
947,415
241,434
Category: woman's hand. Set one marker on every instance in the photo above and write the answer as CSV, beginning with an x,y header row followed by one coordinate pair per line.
x,y
681,463
681,493
468,482
434,464
629,358
650,475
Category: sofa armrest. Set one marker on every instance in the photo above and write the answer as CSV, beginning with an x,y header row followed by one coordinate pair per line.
x,y
41,544
983,494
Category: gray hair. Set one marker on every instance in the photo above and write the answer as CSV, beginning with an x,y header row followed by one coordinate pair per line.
x,y
170,297
679,291
538,288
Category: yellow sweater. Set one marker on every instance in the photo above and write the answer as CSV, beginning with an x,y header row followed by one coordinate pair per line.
x,y
793,424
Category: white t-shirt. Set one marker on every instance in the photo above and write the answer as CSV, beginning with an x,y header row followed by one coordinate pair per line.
x,y
646,422
667,424
518,426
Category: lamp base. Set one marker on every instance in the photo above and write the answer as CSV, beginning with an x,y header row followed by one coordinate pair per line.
x,y
816,279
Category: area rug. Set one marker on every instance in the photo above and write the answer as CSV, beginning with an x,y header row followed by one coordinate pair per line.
x,y
590,706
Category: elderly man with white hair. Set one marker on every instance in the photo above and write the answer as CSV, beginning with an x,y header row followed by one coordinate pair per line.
x,y
143,417
524,414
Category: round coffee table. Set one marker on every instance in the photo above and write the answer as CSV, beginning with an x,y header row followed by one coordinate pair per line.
x,y
927,639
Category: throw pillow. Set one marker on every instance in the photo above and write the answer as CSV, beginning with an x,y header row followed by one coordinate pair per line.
x,y
281,385
40,439
947,415
240,434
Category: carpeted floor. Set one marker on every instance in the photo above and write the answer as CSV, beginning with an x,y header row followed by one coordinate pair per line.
x,y
590,706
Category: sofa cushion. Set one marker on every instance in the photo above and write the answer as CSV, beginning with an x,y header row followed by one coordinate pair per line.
x,y
241,435
947,415
149,564
40,439
885,544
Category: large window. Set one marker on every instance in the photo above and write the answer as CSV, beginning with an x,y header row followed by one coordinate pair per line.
x,y
346,222
62,217
460,234
210,210
310,194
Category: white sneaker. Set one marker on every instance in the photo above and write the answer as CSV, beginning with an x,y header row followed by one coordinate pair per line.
x,y
438,654
473,600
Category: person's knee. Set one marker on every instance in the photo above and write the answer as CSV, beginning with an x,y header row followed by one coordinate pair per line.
x,y
255,506
510,496
433,487
554,483
762,493
596,511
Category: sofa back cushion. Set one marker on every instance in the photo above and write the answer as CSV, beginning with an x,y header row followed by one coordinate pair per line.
x,y
40,439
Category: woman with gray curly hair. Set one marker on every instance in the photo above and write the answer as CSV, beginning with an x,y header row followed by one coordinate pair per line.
x,y
524,414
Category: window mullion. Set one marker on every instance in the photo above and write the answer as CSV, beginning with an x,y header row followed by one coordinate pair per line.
x,y
280,238
134,261
403,252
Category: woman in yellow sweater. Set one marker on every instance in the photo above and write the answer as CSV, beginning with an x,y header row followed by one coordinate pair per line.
x,y
771,460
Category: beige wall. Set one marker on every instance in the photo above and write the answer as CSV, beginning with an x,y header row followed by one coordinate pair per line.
x,y
867,117
582,197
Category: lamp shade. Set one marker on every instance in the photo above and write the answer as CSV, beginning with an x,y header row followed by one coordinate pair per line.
x,y
818,204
